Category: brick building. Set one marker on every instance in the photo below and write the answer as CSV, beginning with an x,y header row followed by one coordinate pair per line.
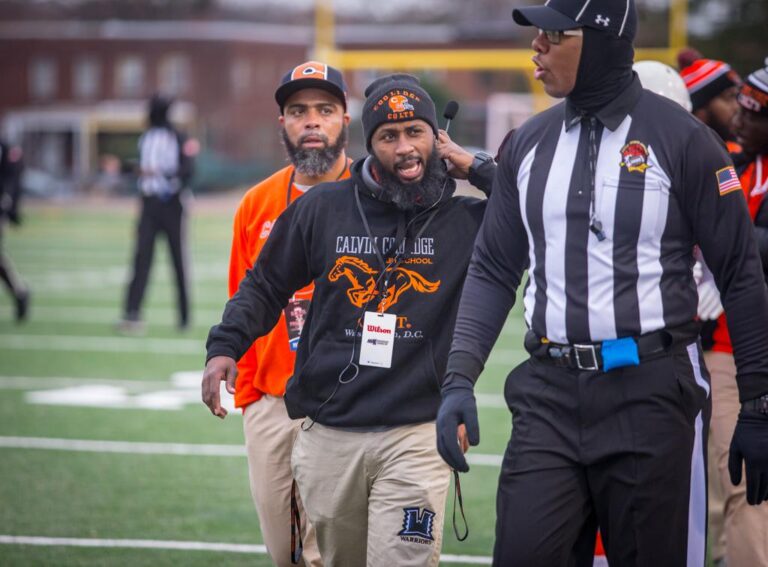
x,y
74,91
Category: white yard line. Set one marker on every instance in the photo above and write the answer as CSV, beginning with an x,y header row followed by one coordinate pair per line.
x,y
157,316
109,277
167,449
502,357
509,357
190,379
40,383
133,544
103,344
184,546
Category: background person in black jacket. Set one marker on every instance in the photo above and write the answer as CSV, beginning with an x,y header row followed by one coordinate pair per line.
x,y
10,197
387,250
165,169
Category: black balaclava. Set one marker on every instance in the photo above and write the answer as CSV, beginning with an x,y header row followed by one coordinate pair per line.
x,y
158,111
605,70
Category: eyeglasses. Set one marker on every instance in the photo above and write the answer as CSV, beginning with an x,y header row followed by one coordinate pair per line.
x,y
556,36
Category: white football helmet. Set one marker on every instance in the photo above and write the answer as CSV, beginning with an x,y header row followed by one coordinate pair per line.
x,y
663,80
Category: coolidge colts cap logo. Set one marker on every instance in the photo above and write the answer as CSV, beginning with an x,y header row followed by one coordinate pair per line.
x,y
310,70
399,103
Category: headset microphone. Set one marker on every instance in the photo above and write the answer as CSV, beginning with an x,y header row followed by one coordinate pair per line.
x,y
450,112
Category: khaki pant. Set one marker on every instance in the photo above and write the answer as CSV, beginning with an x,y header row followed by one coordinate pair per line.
x,y
715,505
375,498
269,437
746,527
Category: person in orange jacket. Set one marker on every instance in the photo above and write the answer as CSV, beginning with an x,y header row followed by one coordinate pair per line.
x,y
746,527
314,121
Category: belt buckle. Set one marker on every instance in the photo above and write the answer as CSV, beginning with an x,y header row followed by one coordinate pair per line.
x,y
589,348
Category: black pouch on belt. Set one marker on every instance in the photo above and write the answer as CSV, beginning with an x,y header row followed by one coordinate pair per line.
x,y
534,345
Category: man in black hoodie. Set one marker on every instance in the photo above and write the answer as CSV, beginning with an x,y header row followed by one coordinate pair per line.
x,y
387,250
603,198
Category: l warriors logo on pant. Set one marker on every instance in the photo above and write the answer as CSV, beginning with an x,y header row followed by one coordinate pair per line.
x,y
362,280
417,525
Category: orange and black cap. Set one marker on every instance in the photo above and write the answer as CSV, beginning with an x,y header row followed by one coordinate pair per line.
x,y
312,75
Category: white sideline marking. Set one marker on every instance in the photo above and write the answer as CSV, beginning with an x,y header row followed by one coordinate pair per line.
x,y
100,278
490,401
182,390
501,357
125,447
184,449
159,316
185,546
509,357
133,543
44,382
103,344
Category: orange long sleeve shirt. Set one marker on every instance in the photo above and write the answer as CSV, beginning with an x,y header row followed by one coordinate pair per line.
x,y
268,364
754,191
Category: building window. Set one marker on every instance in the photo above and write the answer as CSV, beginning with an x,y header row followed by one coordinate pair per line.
x,y
174,75
86,78
129,77
241,77
43,78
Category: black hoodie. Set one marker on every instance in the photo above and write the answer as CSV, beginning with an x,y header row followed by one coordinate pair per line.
x,y
322,238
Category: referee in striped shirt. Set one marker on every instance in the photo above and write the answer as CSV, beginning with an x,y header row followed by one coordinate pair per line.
x,y
603,198
165,169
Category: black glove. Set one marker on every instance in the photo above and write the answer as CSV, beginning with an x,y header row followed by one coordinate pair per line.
x,y
458,406
750,444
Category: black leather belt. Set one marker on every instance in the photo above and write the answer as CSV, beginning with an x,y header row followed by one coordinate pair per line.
x,y
588,356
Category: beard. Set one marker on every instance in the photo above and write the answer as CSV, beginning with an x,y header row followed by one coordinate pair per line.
x,y
419,194
315,162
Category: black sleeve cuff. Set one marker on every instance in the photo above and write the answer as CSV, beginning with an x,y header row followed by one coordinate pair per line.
x,y
464,364
752,386
483,176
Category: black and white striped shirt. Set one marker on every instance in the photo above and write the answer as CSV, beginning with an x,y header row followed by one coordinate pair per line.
x,y
159,162
657,194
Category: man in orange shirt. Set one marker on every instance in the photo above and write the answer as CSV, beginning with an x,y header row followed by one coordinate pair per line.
x,y
313,116
746,527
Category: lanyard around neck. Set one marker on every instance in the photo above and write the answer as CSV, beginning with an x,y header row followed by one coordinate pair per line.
x,y
401,235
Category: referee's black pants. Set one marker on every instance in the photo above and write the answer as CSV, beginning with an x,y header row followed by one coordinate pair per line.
x,y
624,450
165,216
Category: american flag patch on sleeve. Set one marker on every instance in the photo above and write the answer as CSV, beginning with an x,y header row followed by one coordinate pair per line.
x,y
727,180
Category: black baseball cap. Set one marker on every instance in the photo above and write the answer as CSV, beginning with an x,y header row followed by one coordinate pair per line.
x,y
312,75
617,17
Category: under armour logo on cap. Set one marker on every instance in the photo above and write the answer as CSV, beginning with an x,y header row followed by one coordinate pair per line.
x,y
601,20
617,17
